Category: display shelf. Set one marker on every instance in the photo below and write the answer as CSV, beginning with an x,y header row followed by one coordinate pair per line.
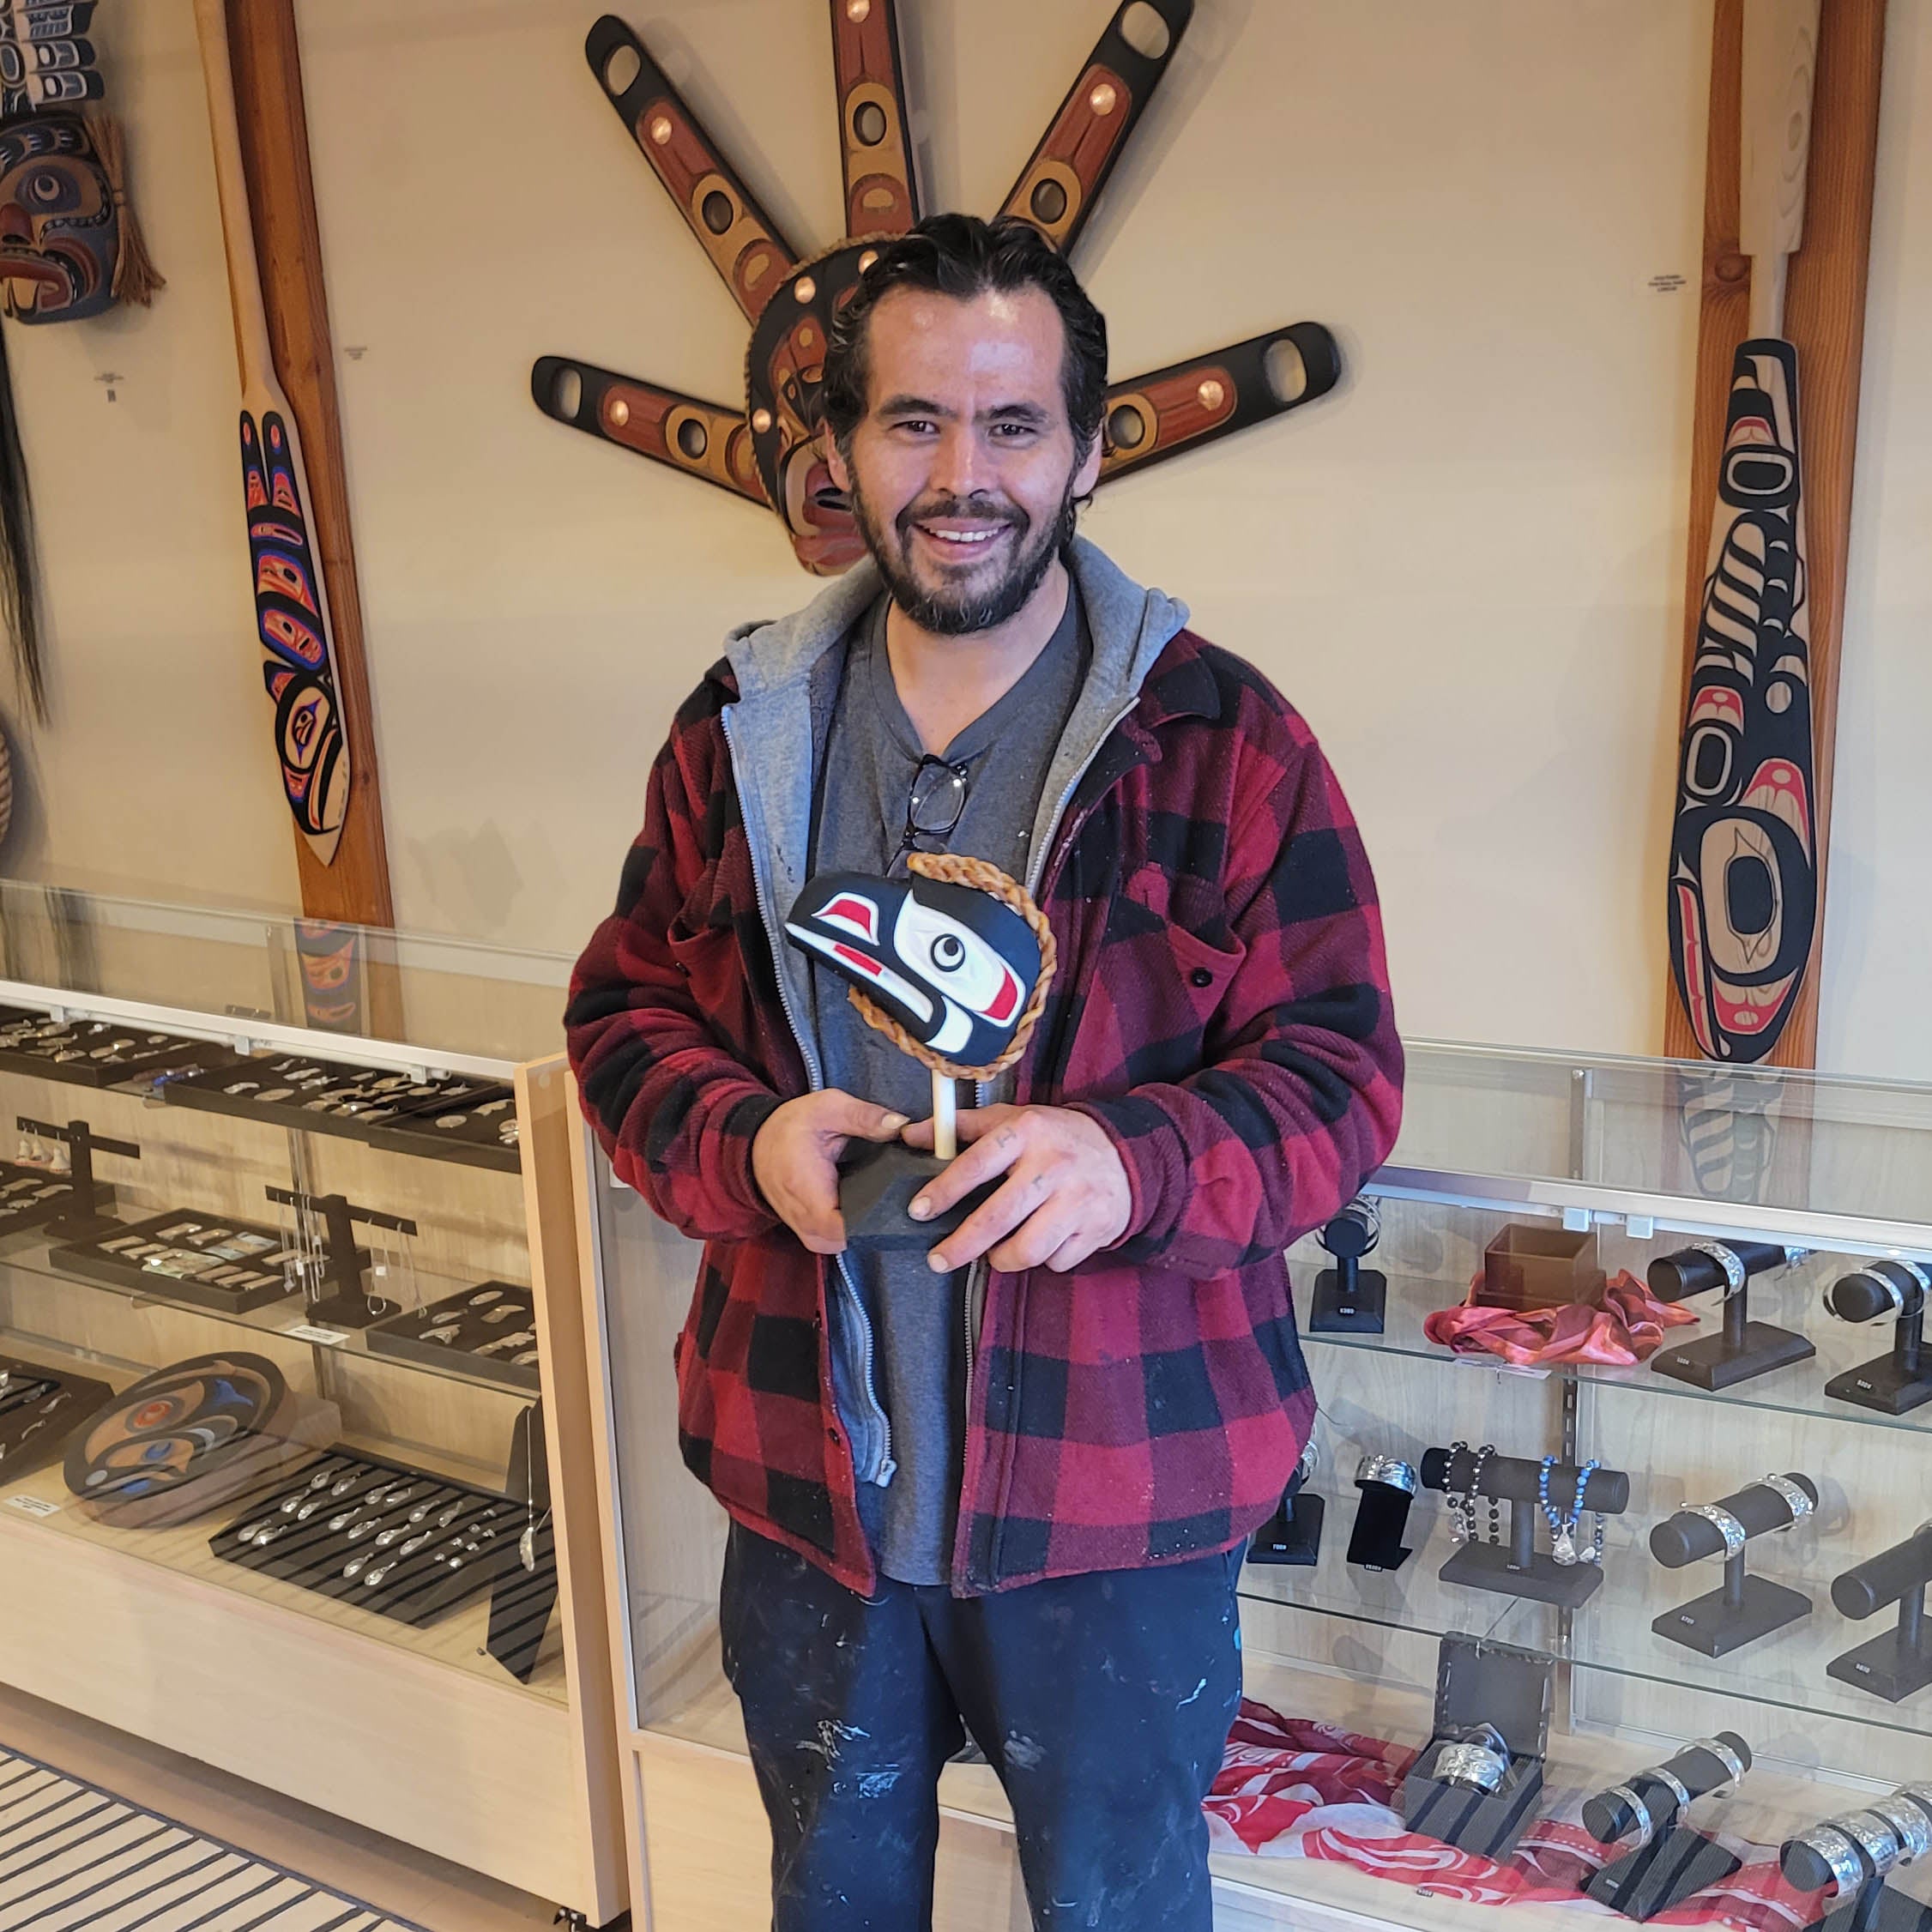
x,y
287,1316
1797,1389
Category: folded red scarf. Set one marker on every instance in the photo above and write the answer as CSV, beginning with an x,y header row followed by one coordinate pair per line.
x,y
1622,1326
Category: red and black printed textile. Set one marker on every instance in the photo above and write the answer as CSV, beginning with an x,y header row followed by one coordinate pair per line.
x,y
1222,1010
1290,1789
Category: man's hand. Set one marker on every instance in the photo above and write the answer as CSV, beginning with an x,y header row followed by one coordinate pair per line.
x,y
1065,1196
794,1160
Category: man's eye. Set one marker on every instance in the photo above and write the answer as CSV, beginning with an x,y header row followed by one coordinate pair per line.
x,y
918,425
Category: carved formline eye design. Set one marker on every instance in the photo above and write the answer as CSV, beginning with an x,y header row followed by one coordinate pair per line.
x,y
767,452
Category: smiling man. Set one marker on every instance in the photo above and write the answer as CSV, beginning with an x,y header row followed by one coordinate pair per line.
x,y
1002,1488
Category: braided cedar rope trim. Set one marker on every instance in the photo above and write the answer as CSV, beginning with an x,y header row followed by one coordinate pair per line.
x,y
951,868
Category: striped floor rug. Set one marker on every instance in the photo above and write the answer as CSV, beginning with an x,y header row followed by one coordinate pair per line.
x,y
74,1858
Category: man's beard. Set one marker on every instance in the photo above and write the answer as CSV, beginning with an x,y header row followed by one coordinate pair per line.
x,y
959,613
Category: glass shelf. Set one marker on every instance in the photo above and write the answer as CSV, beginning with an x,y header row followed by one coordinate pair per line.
x,y
1798,1390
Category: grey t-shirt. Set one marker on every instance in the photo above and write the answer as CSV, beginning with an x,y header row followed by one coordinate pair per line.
x,y
918,1317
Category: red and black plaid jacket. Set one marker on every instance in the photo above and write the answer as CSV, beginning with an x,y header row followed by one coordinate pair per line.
x,y
1222,1010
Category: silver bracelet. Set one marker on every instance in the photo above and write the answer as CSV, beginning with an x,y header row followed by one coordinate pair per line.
x,y
1734,1765
1310,1458
1841,1856
1800,1505
1735,1534
1734,1269
1920,1795
1640,1819
1474,1766
1910,1826
1678,1790
1389,1470
1874,1835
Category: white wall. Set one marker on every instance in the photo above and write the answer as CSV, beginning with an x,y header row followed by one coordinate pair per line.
x,y
1466,567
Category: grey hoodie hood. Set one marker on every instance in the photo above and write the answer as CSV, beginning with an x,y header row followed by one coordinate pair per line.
x,y
786,687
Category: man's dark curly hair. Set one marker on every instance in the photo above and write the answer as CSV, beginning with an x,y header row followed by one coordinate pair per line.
x,y
962,256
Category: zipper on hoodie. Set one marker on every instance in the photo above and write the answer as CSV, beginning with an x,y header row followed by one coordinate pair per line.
x,y
815,1077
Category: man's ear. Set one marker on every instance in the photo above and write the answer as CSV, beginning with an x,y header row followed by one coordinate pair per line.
x,y
1088,475
835,460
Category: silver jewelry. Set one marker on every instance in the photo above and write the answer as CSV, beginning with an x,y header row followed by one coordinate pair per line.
x,y
1910,1826
1679,1790
1476,1764
1641,1821
1733,1268
1874,1835
1389,1470
1840,1854
1734,1765
1800,1505
1735,1534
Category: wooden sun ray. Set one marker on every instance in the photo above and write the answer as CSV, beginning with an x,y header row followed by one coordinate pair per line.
x,y
767,453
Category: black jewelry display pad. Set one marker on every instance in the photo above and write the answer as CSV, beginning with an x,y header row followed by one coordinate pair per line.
x,y
104,1052
40,1409
1478,1682
372,1104
1675,1864
208,1260
419,1585
29,1196
1715,1626
464,1319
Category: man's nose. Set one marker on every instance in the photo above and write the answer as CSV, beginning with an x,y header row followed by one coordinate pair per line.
x,y
957,469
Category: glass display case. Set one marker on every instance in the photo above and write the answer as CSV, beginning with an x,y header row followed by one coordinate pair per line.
x,y
291,1409
1623,1450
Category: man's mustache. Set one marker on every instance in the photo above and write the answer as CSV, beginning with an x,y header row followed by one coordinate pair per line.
x,y
964,510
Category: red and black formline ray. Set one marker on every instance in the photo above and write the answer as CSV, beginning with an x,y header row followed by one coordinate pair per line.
x,y
769,452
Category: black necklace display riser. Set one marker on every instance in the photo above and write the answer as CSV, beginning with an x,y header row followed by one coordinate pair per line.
x,y
1900,1663
84,1214
338,1295
1518,1568
1744,1606
1678,1861
1901,1380
1743,1349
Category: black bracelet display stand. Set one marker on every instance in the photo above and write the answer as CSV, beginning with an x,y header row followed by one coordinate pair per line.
x,y
1744,1608
1376,1541
1900,1663
1293,1534
1350,1299
1743,1349
336,1295
1893,1383
83,1213
1870,1904
1518,1568
1677,1861
1480,1683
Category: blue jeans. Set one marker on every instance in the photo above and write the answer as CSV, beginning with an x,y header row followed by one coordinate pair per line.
x,y
1103,1702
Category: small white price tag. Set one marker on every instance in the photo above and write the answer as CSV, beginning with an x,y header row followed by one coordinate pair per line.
x,y
308,1332
33,1506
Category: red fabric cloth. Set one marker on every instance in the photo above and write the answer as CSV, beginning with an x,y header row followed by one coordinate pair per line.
x,y
1290,1789
1622,1326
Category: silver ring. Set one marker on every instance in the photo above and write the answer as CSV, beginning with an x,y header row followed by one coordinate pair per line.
x,y
1841,1856
1800,1505
1874,1834
1733,1268
1735,1534
1641,1820
1734,1767
1474,1766
1390,1471
1910,1826
1674,1785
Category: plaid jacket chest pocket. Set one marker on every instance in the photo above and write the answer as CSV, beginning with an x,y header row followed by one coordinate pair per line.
x,y
1166,961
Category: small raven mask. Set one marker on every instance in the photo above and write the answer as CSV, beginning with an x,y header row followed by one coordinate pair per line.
x,y
955,966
